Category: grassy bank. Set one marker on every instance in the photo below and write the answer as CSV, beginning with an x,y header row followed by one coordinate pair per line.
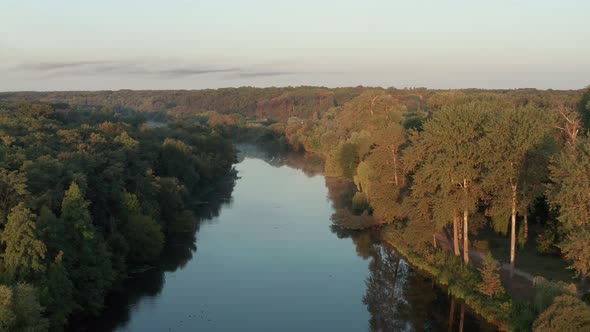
x,y
462,281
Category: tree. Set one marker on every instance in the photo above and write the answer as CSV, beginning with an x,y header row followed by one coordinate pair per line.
x,y
177,160
24,252
86,256
447,162
348,159
512,136
143,233
576,248
570,192
57,294
491,285
13,189
567,313
584,108
20,309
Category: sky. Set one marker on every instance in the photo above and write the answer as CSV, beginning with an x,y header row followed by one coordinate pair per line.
x,y
194,44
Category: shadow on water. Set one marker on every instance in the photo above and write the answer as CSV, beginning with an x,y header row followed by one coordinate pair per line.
x,y
401,298
178,251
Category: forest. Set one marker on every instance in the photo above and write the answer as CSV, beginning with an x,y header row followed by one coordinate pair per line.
x,y
461,182
88,195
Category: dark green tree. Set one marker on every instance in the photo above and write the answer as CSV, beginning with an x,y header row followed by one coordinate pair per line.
x,y
512,137
570,192
447,161
20,309
57,294
86,256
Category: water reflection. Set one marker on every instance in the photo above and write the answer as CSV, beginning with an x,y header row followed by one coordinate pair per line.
x,y
142,286
272,264
401,298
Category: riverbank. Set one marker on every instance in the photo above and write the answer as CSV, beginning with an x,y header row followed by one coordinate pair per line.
x,y
460,279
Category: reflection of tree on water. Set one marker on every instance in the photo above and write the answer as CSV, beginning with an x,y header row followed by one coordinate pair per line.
x,y
398,297
401,298
178,251
310,164
382,294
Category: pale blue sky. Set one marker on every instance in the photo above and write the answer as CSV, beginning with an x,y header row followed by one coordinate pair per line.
x,y
191,44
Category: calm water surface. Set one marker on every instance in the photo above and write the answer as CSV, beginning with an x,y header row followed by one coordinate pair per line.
x,y
268,260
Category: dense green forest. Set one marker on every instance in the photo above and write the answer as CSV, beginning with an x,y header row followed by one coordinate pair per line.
x,y
446,174
88,194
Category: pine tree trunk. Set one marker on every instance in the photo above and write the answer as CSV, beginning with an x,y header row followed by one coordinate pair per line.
x,y
456,232
513,231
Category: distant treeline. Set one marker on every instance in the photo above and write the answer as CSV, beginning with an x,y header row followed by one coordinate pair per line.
x,y
277,104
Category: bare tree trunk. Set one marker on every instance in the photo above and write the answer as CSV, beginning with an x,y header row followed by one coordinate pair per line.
x,y
373,100
466,236
461,323
434,239
452,315
395,179
465,227
460,227
513,231
456,232
526,225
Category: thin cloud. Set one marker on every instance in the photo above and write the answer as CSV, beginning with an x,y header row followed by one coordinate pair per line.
x,y
183,72
254,74
118,67
48,66
144,69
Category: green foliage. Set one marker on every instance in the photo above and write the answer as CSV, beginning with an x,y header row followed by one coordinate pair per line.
x,y
570,176
57,294
20,309
576,248
464,147
546,291
490,285
145,238
462,280
86,256
522,316
584,107
13,189
74,167
566,313
359,203
24,252
547,242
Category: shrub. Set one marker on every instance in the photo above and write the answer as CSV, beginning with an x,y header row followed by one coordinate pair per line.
x,y
567,313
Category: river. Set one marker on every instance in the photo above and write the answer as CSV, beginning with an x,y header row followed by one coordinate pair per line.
x,y
266,258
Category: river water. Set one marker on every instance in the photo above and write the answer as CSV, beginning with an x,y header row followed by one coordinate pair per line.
x,y
266,258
